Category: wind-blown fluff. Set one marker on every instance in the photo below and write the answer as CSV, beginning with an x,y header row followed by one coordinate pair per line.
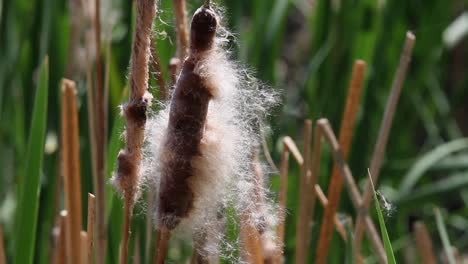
x,y
221,162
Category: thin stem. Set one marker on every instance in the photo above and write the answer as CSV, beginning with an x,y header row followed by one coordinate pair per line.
x,y
282,198
207,3
2,247
353,190
128,206
301,226
61,242
384,132
90,227
162,239
314,173
71,167
157,71
266,152
182,35
336,181
100,126
84,247
251,244
292,147
324,202
424,243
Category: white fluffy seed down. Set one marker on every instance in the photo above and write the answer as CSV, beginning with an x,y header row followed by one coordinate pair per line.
x,y
223,175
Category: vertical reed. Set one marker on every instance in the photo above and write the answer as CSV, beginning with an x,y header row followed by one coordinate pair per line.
x,y
324,201
282,199
71,168
99,130
2,248
134,111
423,243
61,249
301,226
181,26
91,225
336,181
384,132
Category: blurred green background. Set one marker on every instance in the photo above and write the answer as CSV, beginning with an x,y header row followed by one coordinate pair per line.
x,y
306,48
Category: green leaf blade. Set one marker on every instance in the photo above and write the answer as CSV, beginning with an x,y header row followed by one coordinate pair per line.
x,y
29,197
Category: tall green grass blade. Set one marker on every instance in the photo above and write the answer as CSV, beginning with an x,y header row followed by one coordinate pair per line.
x,y
444,236
29,198
383,229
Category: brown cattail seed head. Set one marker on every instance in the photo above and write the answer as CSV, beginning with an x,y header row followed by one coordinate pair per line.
x,y
203,30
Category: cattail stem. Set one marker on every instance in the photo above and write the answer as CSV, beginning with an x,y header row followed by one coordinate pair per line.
x,y
207,4
301,226
310,186
324,202
180,14
61,249
71,168
292,148
100,128
127,178
162,242
353,190
282,198
90,227
384,133
84,247
157,71
423,243
251,243
2,248
336,181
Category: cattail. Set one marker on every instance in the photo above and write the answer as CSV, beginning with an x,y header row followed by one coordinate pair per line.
x,y
199,147
126,179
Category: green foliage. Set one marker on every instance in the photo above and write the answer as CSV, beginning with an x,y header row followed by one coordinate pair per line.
x,y
29,184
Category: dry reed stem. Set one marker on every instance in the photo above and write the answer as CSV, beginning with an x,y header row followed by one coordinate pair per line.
x,y
174,65
93,146
2,248
90,227
71,168
336,181
128,206
157,71
136,250
424,243
384,132
149,225
292,148
282,198
314,173
251,243
162,242
301,226
266,152
324,202
127,178
84,247
181,27
353,190
60,252
100,128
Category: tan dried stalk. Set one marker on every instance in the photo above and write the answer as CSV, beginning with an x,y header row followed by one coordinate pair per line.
x,y
71,168
127,177
163,236
100,136
292,148
181,26
157,71
301,226
61,249
353,190
251,242
314,172
90,227
282,199
382,139
336,181
2,248
324,202
424,243
84,247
